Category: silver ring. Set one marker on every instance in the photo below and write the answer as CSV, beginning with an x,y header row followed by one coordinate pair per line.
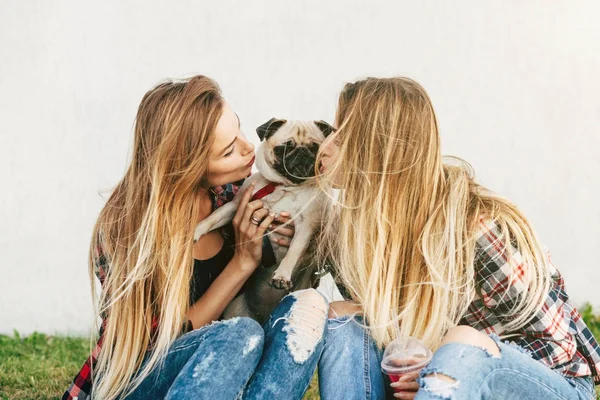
x,y
255,221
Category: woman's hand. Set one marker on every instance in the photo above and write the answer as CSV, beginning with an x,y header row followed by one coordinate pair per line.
x,y
250,224
407,386
285,227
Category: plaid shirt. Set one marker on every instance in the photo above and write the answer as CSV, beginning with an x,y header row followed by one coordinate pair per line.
x,y
557,336
81,387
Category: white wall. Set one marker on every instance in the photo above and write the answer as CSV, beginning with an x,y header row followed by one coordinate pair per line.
x,y
516,86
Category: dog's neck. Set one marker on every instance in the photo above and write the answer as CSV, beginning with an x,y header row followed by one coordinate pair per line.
x,y
267,171
264,191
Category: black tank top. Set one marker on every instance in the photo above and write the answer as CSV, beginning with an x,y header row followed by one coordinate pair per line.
x,y
206,271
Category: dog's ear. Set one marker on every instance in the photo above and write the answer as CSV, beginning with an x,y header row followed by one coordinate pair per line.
x,y
325,127
267,129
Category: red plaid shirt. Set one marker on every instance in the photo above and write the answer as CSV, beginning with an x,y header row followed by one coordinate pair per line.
x,y
557,335
81,387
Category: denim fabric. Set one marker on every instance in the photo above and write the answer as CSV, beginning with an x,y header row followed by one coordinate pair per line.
x,y
480,375
238,358
281,374
217,358
350,366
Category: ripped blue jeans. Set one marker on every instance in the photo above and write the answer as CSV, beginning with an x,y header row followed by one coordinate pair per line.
x,y
351,364
239,359
479,375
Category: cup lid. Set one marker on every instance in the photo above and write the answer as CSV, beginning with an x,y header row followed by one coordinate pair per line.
x,y
404,355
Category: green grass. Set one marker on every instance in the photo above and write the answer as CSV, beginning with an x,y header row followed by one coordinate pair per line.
x,y
41,367
591,320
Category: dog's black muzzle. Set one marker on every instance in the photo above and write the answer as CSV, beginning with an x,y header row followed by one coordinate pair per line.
x,y
296,163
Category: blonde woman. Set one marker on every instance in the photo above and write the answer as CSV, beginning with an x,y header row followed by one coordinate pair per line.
x,y
423,250
161,291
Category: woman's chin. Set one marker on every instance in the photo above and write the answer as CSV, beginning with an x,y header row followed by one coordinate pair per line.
x,y
244,173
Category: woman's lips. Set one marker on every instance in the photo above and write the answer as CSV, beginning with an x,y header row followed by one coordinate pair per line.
x,y
251,162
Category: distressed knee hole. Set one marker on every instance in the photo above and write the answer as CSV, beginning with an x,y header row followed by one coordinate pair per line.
x,y
473,337
305,323
441,377
491,350
438,384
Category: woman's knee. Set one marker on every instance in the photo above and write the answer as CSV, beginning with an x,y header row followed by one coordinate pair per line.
x,y
311,297
243,340
310,307
439,377
242,332
471,336
309,300
339,309
244,326
306,322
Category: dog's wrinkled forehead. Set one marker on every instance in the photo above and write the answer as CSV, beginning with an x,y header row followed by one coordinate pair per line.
x,y
304,132
292,146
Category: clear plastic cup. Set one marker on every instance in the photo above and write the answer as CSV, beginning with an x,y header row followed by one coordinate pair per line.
x,y
404,355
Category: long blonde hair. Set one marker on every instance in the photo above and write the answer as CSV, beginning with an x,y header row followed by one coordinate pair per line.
x,y
402,237
146,231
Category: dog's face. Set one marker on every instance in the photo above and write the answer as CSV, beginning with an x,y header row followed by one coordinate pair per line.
x,y
289,149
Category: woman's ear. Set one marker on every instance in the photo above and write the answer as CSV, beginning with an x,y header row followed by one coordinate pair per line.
x,y
325,127
267,129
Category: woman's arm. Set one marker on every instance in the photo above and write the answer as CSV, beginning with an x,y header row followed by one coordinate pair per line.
x,y
248,253
499,271
225,287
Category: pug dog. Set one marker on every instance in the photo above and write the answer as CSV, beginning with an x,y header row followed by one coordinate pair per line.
x,y
285,160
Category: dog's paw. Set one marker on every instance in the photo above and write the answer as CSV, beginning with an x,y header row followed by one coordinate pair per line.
x,y
201,229
282,283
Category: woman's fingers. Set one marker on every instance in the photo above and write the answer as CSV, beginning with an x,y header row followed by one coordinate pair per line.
x,y
256,219
284,217
405,395
282,242
411,376
282,230
259,215
243,203
262,228
250,209
283,225
411,386
407,385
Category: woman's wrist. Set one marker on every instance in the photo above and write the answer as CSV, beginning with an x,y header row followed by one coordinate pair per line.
x,y
244,265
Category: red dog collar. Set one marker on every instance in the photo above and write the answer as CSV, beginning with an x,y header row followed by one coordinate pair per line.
x,y
270,188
